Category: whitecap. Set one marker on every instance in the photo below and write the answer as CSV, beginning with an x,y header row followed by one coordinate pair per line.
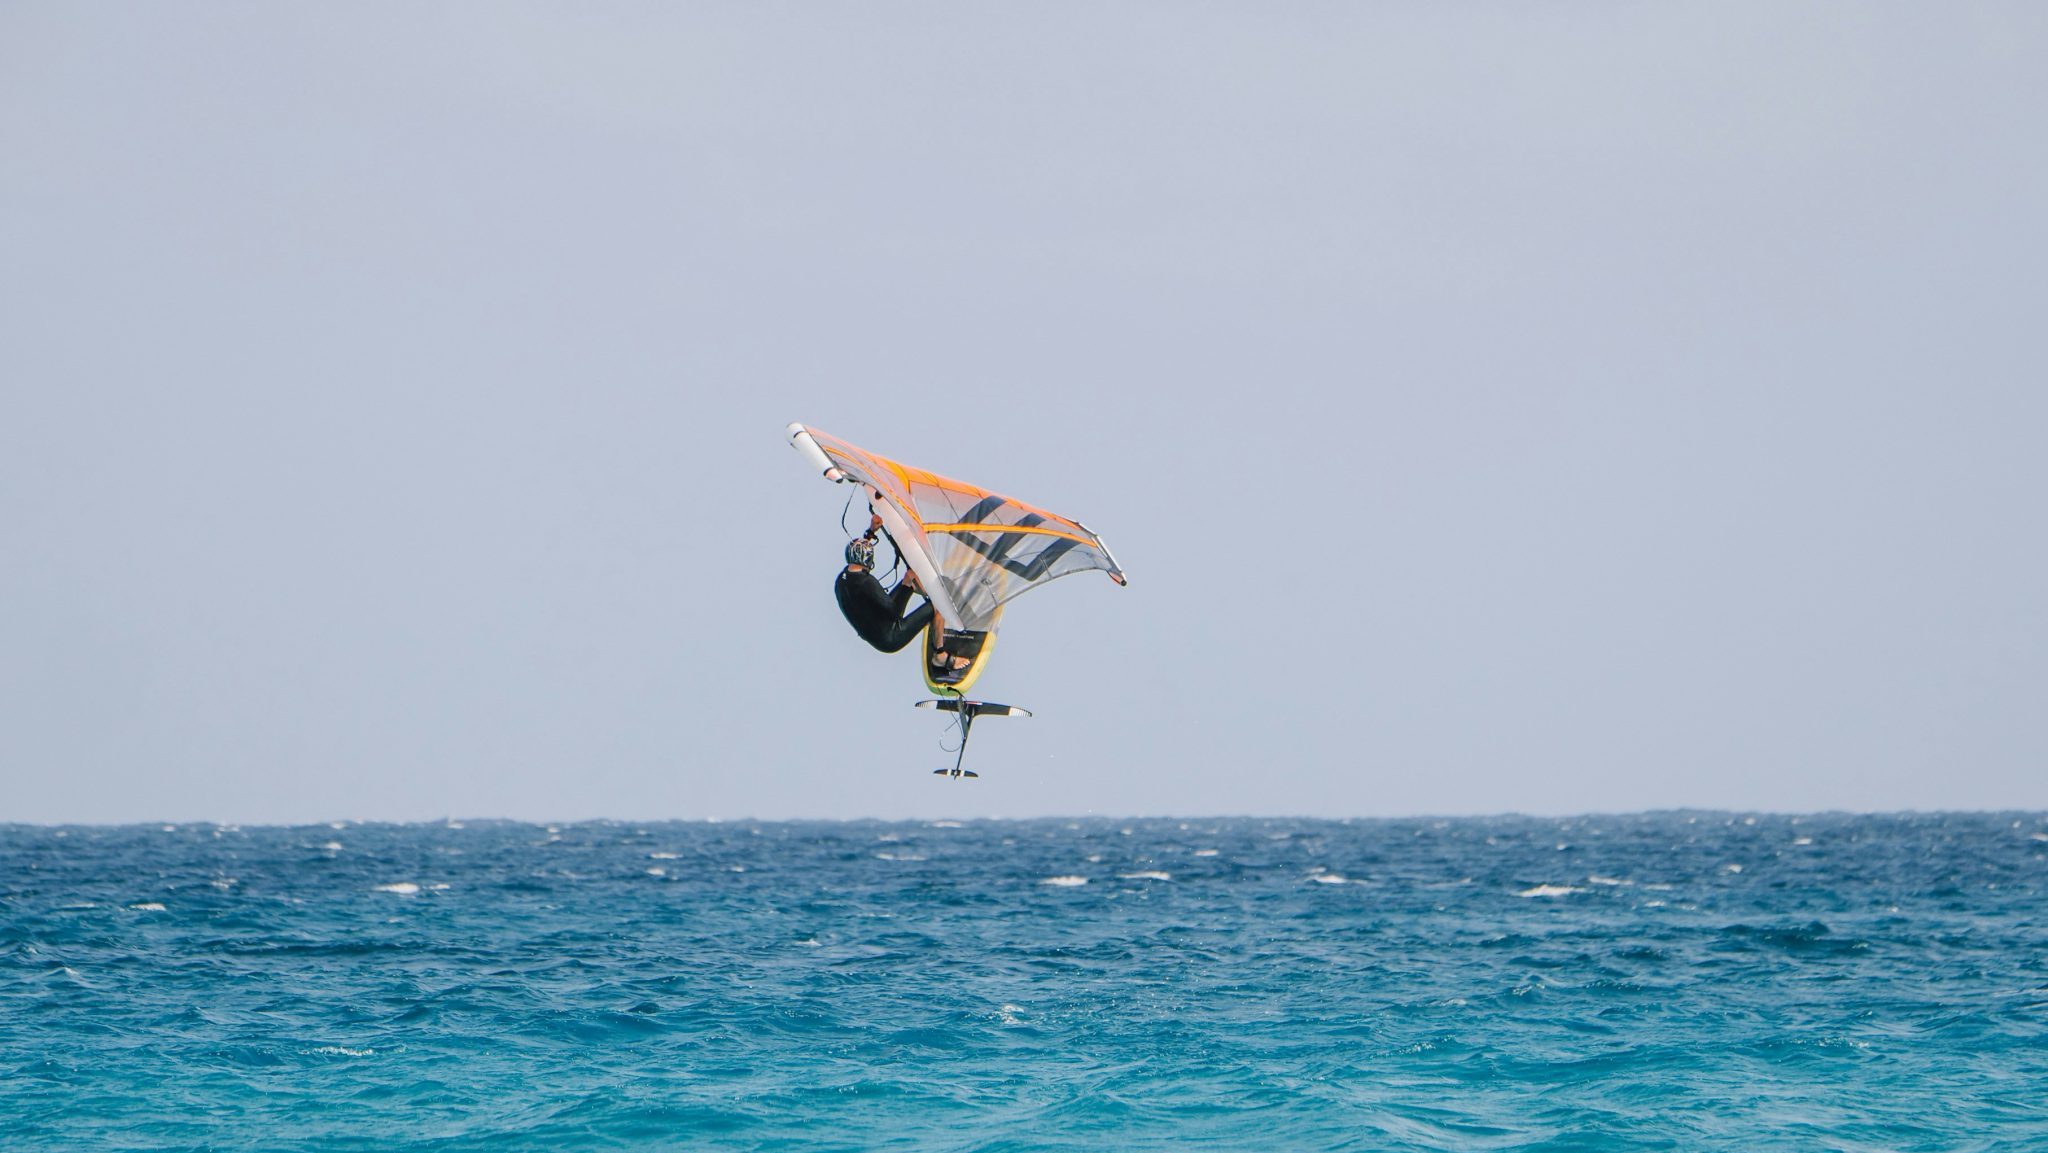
x,y
1550,891
657,872
456,825
438,888
1809,840
148,907
344,1051
947,825
402,888
2039,837
1146,875
224,883
899,856
1597,879
1066,882
1207,852
664,856
332,846
1329,879
170,828
1653,904
1731,868
1010,1014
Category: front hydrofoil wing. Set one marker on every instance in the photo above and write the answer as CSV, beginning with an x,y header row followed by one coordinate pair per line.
x,y
968,710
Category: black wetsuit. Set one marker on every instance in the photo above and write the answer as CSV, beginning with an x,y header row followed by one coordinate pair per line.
x,y
877,615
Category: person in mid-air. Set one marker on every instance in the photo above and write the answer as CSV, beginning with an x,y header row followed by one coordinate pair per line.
x,y
879,615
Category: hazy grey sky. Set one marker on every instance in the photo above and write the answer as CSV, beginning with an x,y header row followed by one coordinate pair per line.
x,y
1496,406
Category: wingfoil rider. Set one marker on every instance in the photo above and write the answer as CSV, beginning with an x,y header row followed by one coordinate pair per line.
x,y
879,616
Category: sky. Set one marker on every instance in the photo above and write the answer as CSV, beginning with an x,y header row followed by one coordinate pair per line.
x,y
1497,407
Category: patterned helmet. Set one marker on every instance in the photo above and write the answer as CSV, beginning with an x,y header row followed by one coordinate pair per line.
x,y
861,551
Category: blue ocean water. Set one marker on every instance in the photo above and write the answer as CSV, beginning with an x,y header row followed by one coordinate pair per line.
x,y
1662,981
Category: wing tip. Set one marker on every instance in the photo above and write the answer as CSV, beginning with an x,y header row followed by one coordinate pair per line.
x,y
806,445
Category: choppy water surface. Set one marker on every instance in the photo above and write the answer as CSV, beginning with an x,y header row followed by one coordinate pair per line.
x,y
1668,981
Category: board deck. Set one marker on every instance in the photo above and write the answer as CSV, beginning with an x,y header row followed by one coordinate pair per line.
x,y
976,646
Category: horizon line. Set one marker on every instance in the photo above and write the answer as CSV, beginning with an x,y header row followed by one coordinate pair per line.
x,y
167,824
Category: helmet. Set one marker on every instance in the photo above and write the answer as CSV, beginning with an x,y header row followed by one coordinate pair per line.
x,y
861,551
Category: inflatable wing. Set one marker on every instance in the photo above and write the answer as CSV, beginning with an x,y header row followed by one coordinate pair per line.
x,y
972,549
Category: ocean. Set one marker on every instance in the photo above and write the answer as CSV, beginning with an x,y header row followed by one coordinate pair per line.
x,y
1684,981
